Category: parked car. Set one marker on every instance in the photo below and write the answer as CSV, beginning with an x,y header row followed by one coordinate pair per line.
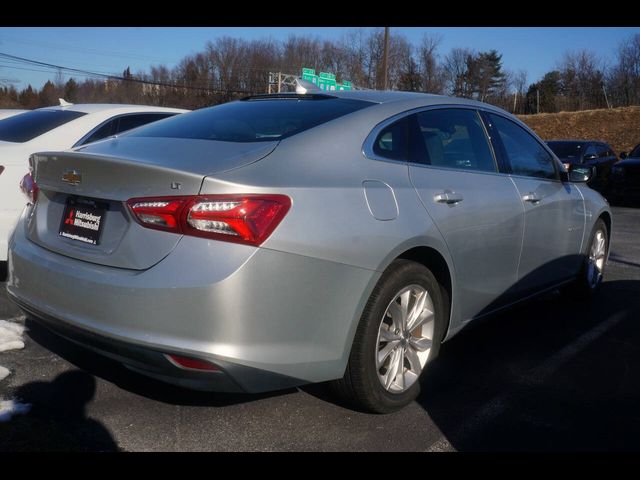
x,y
625,176
10,112
57,128
587,153
281,240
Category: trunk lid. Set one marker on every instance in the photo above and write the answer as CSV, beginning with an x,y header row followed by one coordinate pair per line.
x,y
100,178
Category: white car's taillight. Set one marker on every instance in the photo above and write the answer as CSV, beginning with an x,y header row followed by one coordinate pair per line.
x,y
248,219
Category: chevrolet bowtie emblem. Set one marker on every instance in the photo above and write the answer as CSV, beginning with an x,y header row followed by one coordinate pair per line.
x,y
72,177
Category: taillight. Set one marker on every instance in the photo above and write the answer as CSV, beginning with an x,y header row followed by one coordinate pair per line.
x,y
192,363
29,187
159,213
248,219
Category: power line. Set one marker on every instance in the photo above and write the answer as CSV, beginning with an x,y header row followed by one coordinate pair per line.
x,y
115,77
92,51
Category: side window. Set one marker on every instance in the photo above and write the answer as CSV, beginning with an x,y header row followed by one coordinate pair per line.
x,y
132,121
591,150
452,138
525,154
391,142
602,150
103,132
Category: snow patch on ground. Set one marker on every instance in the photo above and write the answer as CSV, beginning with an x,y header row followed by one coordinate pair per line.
x,y
11,339
10,335
9,408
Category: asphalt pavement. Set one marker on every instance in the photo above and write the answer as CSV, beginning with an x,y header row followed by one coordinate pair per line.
x,y
552,374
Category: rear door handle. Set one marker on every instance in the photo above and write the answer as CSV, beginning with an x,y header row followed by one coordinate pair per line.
x,y
531,198
448,197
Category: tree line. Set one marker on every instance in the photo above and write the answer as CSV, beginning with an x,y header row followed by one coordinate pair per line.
x,y
230,68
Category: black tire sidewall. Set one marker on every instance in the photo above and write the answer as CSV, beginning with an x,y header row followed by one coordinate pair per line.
x,y
400,275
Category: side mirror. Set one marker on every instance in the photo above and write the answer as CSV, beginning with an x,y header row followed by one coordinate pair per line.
x,y
591,156
581,174
623,155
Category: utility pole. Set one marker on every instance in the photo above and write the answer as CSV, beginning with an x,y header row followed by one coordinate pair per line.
x,y
515,99
279,81
385,58
606,99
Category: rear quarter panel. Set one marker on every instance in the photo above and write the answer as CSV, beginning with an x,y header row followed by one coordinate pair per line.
x,y
323,170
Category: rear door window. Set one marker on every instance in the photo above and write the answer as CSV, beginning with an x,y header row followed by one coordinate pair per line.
x,y
104,131
29,125
452,138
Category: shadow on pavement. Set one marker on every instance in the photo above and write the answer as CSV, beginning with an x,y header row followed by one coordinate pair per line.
x,y
553,374
116,373
57,420
3,271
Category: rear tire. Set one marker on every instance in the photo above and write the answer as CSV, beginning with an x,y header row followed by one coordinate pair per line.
x,y
399,333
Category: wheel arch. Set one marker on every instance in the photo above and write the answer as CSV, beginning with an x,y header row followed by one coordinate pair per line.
x,y
606,218
434,261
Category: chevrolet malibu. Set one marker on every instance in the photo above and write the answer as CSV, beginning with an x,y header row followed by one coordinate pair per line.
x,y
294,238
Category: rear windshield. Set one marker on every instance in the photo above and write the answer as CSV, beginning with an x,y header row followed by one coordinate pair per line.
x,y
567,150
29,125
253,120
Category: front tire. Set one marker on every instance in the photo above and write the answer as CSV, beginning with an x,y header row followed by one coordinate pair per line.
x,y
400,331
592,271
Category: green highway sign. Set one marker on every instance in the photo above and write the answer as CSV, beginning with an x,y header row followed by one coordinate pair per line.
x,y
324,80
328,76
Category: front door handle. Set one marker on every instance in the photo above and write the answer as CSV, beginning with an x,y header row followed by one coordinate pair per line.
x,y
448,197
531,198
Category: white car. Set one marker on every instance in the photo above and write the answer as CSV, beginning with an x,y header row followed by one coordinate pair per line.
x,y
57,128
10,112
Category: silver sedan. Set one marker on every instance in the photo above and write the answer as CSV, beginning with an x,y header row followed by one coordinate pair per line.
x,y
287,239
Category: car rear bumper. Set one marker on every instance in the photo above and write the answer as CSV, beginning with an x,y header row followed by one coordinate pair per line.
x,y
269,319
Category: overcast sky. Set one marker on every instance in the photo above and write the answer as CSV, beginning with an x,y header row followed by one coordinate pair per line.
x,y
111,49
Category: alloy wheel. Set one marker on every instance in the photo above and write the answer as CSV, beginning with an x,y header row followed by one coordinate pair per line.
x,y
405,337
596,259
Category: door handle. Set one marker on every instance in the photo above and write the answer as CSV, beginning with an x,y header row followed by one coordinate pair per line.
x,y
531,198
448,197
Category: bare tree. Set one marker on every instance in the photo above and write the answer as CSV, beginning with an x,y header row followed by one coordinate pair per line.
x,y
459,65
624,80
433,78
519,82
581,80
